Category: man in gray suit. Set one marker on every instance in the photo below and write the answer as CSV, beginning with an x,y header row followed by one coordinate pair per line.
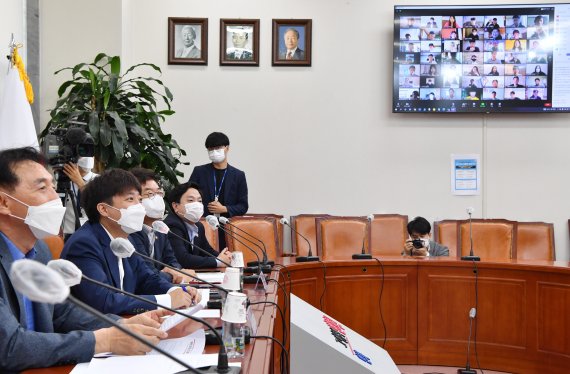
x,y
35,334
293,52
419,230
189,50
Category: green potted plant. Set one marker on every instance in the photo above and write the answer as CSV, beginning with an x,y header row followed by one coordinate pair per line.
x,y
122,115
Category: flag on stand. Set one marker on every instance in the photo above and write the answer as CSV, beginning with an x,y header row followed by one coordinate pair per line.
x,y
16,122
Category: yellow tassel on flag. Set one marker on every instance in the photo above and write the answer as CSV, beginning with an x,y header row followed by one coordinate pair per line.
x,y
19,63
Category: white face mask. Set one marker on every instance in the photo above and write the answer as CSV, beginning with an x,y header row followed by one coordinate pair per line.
x,y
86,163
154,206
217,155
131,219
193,211
425,240
43,220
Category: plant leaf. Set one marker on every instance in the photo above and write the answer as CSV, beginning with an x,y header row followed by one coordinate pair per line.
x,y
106,97
94,126
119,124
118,146
99,57
116,65
105,133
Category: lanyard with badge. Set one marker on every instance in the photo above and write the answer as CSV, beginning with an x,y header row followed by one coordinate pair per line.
x,y
216,190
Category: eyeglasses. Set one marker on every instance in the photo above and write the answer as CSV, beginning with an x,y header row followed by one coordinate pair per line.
x,y
151,194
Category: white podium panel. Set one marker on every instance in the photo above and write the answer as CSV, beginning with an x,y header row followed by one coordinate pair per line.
x,y
320,344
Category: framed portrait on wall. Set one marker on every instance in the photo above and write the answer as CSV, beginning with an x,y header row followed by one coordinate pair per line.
x,y
187,41
239,42
292,42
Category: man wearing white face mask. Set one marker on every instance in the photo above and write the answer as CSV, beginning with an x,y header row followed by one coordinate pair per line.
x,y
79,174
111,202
186,209
420,243
34,334
148,242
224,187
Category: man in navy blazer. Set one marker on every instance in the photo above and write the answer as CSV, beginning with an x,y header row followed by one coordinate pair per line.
x,y
292,51
154,244
184,221
111,202
224,187
37,334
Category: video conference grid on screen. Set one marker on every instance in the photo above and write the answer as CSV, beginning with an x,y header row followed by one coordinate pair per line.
x,y
473,59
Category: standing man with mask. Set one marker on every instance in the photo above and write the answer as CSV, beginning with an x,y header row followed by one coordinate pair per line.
x,y
224,187
112,204
34,334
419,230
79,174
149,242
184,221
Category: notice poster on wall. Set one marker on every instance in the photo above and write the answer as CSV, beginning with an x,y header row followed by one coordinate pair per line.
x,y
465,174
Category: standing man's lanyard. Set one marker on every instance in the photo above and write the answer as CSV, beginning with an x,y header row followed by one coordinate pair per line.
x,y
217,190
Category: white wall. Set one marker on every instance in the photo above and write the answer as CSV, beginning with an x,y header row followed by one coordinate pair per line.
x,y
11,21
323,138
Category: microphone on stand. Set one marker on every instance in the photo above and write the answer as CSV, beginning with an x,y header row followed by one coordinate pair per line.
x,y
363,255
72,276
471,256
225,221
162,228
468,370
44,285
123,248
309,257
214,224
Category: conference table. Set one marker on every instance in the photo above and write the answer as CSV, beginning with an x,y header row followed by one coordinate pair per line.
x,y
522,323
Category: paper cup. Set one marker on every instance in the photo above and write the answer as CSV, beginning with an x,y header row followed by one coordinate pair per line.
x,y
237,260
232,279
235,308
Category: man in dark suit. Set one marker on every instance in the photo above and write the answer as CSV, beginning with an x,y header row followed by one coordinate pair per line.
x,y
36,334
186,208
224,187
292,51
149,242
111,202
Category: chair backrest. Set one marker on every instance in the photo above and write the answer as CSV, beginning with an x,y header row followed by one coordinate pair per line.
x,y
445,233
388,232
341,237
306,225
535,241
211,235
280,229
263,227
55,245
492,238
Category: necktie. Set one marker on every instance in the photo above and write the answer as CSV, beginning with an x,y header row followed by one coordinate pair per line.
x,y
289,55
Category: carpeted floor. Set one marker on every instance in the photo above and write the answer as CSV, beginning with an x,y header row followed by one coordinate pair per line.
x,y
416,369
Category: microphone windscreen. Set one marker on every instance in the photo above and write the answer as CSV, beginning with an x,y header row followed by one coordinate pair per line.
x,y
38,282
70,273
161,227
284,221
224,220
212,221
122,248
75,136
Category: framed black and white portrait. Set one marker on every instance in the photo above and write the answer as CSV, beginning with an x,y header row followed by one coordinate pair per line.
x,y
239,42
187,41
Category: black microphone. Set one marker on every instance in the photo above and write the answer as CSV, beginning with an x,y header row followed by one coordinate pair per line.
x,y
309,257
162,228
363,255
72,276
468,370
471,256
263,250
44,285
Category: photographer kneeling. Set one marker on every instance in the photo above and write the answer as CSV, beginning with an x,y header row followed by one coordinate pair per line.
x,y
420,243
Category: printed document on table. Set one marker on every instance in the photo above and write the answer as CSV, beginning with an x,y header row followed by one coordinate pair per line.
x,y
173,320
187,345
212,277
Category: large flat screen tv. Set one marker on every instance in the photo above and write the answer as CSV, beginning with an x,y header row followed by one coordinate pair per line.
x,y
482,59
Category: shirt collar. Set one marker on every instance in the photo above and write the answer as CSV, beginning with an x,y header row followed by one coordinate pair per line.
x,y
15,252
